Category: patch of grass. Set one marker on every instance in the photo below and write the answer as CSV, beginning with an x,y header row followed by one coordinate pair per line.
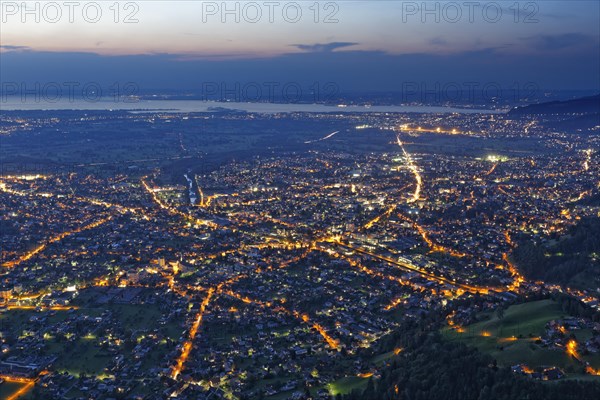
x,y
15,321
347,384
383,357
137,317
9,388
526,320
512,340
282,395
81,356
84,355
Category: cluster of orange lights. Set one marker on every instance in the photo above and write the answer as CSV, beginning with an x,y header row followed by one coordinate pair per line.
x,y
562,329
527,370
452,131
517,277
572,348
43,308
591,371
508,238
219,289
187,346
428,275
386,214
57,238
175,211
380,275
394,304
333,343
434,247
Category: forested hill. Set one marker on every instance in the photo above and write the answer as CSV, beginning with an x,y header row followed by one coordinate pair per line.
x,y
584,105
436,369
572,260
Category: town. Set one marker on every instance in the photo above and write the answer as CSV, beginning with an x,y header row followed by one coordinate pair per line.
x,y
237,259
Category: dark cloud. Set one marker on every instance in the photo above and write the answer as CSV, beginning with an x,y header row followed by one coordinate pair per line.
x,y
323,47
14,48
558,42
438,41
350,70
482,53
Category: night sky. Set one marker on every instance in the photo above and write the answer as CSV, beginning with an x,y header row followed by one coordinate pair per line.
x,y
360,45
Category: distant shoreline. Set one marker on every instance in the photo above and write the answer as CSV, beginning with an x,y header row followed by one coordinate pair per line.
x,y
201,106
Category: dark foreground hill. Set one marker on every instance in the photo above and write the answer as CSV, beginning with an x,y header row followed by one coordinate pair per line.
x,y
584,105
570,260
572,116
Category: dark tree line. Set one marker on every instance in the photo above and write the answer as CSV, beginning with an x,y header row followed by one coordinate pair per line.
x,y
560,262
438,369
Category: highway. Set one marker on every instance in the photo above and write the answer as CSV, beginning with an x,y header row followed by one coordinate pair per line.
x,y
413,167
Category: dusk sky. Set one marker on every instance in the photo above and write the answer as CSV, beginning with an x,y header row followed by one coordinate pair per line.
x,y
379,43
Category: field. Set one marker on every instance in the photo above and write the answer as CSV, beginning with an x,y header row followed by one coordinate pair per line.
x,y
9,388
346,385
349,383
83,353
512,339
